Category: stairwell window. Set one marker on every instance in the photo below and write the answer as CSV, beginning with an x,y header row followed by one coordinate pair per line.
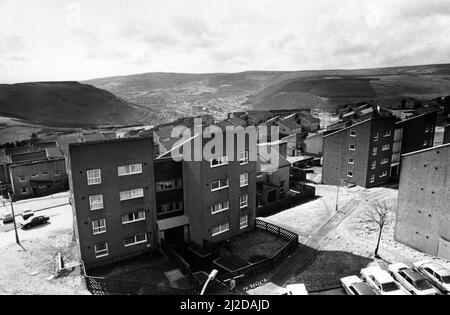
x,y
243,201
131,194
169,185
94,177
217,230
96,202
244,222
244,179
128,170
135,240
99,226
101,250
220,184
219,161
220,207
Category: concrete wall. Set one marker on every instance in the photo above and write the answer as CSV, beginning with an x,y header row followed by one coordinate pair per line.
x,y
107,156
314,144
423,213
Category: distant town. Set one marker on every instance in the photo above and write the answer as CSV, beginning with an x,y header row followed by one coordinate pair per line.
x,y
357,204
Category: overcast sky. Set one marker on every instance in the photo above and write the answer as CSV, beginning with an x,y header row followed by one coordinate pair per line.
x,y
42,40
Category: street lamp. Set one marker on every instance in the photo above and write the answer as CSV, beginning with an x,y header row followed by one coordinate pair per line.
x,y
211,277
340,181
14,218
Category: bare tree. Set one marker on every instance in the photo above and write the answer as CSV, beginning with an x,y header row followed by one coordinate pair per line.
x,y
378,213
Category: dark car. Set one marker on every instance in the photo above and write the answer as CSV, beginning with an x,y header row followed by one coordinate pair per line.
x,y
36,221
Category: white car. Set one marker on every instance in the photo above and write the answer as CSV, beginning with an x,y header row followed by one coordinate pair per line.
x,y
412,280
296,289
353,285
382,282
436,273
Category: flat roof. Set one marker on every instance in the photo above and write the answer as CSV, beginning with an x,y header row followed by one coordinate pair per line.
x,y
428,149
79,144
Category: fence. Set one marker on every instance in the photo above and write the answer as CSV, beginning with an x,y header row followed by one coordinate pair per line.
x,y
103,286
286,203
269,263
182,264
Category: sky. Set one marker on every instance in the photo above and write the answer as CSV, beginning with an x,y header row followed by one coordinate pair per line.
x,y
60,40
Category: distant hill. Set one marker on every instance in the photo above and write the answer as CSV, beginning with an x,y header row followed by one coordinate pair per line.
x,y
173,95
67,104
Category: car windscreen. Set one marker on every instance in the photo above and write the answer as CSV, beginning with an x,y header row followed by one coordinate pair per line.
x,y
423,284
390,286
446,279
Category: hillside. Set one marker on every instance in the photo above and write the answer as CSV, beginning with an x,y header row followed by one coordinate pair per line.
x,y
67,104
172,95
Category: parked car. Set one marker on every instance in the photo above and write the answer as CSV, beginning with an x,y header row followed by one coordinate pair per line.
x,y
353,285
8,218
412,280
35,221
382,282
436,273
296,289
26,214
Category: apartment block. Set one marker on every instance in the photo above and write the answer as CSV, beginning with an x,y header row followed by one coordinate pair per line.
x,y
220,193
360,154
113,198
423,215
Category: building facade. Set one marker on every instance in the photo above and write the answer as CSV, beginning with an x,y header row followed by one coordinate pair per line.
x,y
113,199
360,154
423,213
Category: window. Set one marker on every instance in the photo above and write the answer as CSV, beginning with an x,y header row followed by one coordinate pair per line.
x,y
352,133
94,177
45,174
135,240
384,174
131,194
385,161
96,202
169,185
220,184
375,151
219,161
220,207
374,165
349,174
22,179
372,178
386,147
35,175
375,138
351,161
99,226
133,217
24,190
388,133
170,207
244,158
244,222
129,170
220,229
244,179
352,147
101,250
425,143
57,172
243,201
427,129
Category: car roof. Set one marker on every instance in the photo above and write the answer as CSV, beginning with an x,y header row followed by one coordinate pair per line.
x,y
379,274
363,288
413,275
440,270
